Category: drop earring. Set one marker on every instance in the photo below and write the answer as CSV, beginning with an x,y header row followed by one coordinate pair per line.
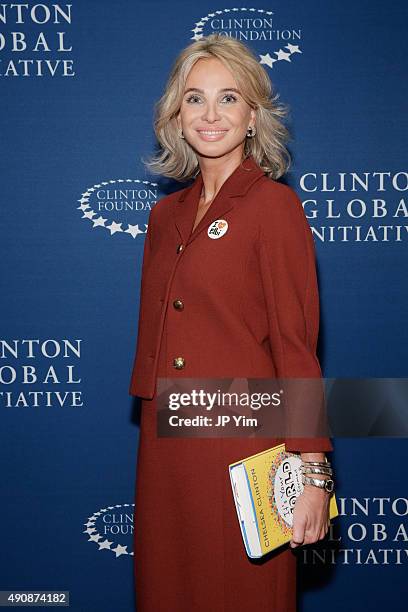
x,y
251,131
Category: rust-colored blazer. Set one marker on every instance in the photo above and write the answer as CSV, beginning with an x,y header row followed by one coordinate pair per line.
x,y
250,298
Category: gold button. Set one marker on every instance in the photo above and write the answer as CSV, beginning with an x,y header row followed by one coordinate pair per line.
x,y
179,363
178,304
180,248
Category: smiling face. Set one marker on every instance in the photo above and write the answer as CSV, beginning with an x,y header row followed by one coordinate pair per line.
x,y
213,115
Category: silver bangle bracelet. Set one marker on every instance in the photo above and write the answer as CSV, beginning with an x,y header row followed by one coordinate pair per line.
x,y
317,463
327,483
317,470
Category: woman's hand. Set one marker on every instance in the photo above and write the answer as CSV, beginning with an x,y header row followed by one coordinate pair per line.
x,y
310,516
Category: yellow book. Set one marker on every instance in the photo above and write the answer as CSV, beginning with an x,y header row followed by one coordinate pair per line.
x,y
265,487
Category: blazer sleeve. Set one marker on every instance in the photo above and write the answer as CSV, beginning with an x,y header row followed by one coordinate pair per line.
x,y
288,272
137,368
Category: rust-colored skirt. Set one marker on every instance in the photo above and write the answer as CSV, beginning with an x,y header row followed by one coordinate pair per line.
x,y
188,550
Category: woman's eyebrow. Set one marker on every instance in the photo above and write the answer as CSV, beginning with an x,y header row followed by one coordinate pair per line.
x,y
202,91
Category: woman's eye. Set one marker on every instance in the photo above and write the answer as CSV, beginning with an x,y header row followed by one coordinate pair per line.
x,y
228,97
231,96
192,98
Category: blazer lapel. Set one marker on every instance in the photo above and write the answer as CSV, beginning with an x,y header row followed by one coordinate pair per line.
x,y
186,205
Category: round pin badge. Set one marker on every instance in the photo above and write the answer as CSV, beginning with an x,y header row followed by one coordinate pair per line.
x,y
217,229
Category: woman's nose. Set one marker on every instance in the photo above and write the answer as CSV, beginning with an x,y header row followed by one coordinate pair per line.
x,y
211,112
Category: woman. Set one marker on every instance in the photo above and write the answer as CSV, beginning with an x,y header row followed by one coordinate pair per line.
x,y
244,304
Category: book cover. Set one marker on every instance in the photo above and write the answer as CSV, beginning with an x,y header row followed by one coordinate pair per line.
x,y
265,487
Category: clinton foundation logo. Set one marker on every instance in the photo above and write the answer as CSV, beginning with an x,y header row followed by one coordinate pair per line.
x,y
111,529
120,206
276,43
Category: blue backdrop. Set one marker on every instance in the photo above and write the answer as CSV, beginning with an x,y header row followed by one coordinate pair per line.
x,y
78,83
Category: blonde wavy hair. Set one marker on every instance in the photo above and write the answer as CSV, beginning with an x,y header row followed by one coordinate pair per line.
x,y
176,158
